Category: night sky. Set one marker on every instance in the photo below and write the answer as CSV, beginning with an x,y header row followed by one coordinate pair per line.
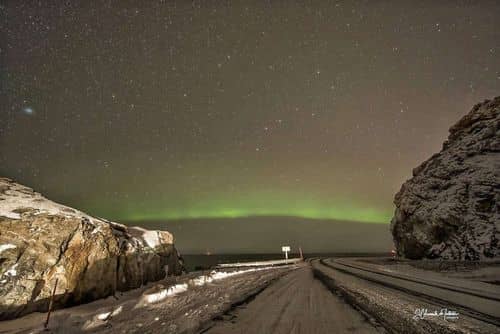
x,y
171,110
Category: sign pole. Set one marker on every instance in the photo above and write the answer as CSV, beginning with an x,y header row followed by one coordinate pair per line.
x,y
285,249
46,325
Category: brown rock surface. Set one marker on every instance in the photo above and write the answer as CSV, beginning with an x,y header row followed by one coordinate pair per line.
x,y
449,208
92,258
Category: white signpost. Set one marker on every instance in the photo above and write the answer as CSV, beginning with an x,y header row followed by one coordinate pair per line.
x,y
285,249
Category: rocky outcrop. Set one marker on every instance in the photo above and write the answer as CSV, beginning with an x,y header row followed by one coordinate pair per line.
x,y
41,241
449,208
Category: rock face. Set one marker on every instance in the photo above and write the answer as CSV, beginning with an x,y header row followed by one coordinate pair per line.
x,y
449,209
41,241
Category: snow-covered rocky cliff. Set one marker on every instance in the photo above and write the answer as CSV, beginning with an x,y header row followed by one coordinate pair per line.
x,y
41,241
450,208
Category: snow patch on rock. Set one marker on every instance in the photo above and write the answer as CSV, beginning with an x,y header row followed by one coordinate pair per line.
x,y
4,247
16,199
12,271
151,238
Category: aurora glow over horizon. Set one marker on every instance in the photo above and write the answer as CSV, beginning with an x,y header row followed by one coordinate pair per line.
x,y
259,205
183,110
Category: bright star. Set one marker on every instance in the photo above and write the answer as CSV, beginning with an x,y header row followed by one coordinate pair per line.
x,y
28,110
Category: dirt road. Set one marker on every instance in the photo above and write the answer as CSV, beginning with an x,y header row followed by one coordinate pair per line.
x,y
297,303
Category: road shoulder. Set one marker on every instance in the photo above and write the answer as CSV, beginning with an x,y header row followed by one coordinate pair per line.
x,y
393,309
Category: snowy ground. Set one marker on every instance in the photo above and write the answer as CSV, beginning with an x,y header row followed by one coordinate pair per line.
x,y
484,271
177,305
259,263
397,310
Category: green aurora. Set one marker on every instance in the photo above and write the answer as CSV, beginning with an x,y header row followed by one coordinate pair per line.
x,y
237,206
341,213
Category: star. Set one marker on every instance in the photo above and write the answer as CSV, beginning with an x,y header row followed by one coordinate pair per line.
x,y
28,111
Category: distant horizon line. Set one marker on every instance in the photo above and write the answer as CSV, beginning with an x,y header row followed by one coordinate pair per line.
x,y
294,251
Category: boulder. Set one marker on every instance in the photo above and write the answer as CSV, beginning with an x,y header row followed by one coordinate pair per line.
x,y
91,258
449,208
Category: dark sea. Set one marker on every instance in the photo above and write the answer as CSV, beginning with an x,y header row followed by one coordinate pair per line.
x,y
195,262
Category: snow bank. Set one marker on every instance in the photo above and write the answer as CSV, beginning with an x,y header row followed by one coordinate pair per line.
x,y
170,291
107,315
103,316
217,275
156,297
100,319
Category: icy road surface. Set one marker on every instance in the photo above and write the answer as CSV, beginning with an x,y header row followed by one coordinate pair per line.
x,y
297,303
